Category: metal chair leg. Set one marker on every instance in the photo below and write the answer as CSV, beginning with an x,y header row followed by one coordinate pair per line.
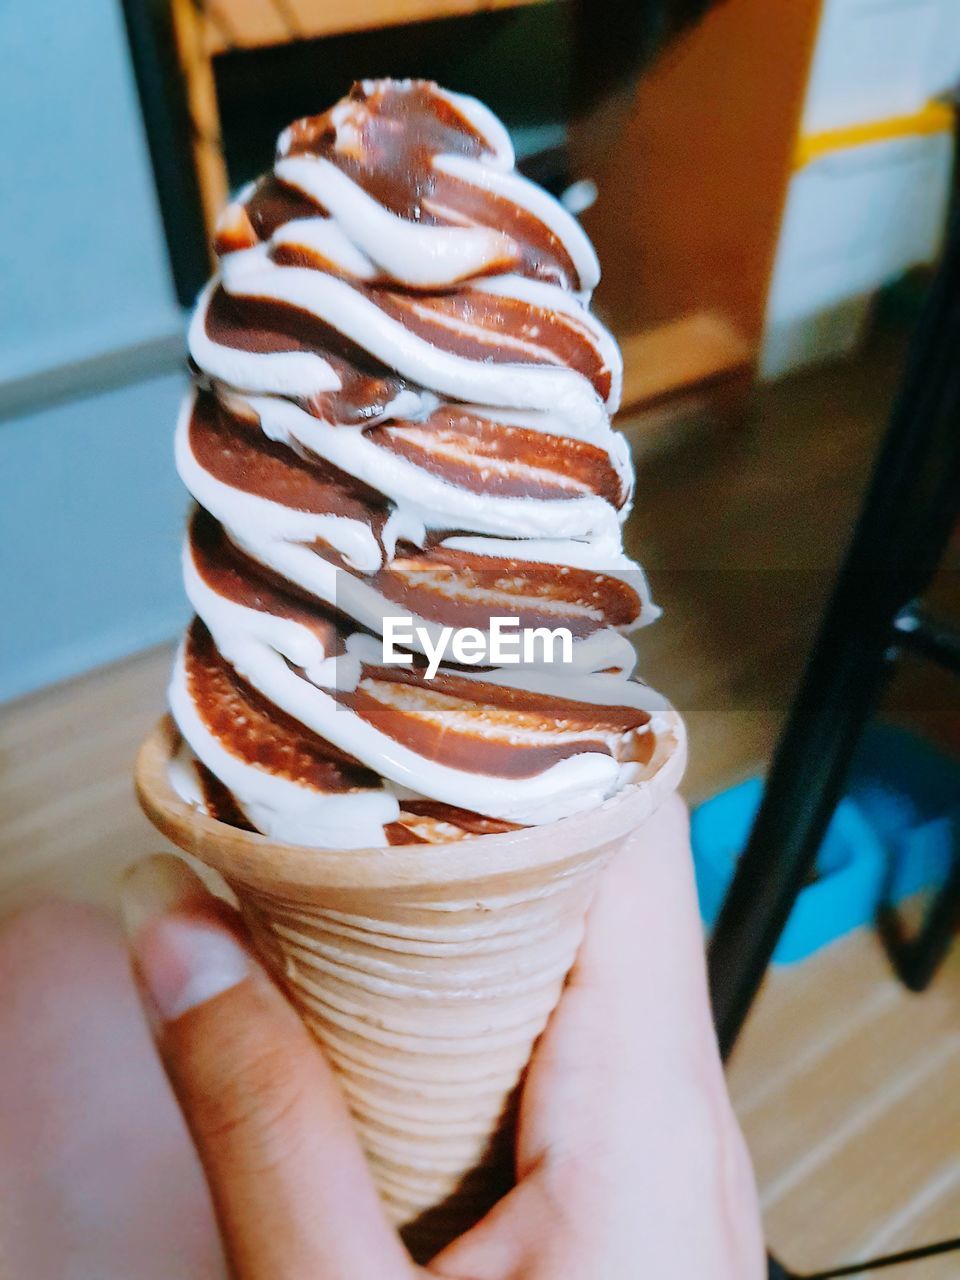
x,y
908,515
917,959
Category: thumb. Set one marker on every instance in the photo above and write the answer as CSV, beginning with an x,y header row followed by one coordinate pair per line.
x,y
290,1185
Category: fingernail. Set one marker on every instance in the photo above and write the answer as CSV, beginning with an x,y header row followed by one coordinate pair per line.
x,y
183,956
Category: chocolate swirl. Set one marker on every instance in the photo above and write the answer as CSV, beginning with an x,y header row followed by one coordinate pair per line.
x,y
401,406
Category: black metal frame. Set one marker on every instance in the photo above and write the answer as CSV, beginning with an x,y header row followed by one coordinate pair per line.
x,y
908,516
169,130
911,507
916,959
777,1272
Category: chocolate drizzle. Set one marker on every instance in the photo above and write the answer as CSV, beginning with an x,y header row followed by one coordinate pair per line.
x,y
269,206
395,135
485,456
255,731
261,327
459,589
235,451
385,140
482,727
497,329
233,576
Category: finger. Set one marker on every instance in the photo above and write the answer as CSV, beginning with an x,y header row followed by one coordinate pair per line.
x,y
629,1160
626,1103
636,1006
290,1185
639,964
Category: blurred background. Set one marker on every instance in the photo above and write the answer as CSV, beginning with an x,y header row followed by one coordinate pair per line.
x,y
768,187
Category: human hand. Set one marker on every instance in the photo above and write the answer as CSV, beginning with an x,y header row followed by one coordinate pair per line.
x,y
629,1161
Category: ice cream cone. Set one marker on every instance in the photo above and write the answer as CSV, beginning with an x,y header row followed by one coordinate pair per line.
x,y
426,972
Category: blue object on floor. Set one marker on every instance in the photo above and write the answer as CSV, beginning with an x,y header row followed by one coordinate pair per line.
x,y
909,792
895,833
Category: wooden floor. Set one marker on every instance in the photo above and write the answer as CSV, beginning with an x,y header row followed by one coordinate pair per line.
x,y
848,1088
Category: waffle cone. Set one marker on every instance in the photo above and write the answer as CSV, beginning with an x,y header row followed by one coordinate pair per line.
x,y
426,972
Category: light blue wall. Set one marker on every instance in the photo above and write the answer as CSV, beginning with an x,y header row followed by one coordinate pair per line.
x,y
92,511
90,528
83,266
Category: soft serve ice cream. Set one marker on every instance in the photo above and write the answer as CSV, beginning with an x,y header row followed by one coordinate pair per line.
x,y
401,406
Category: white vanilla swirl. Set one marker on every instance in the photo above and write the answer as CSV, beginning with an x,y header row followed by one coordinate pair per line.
x,y
402,406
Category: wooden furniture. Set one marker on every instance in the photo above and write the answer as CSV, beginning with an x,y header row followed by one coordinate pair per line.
x,y
245,24
693,191
691,197
688,373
